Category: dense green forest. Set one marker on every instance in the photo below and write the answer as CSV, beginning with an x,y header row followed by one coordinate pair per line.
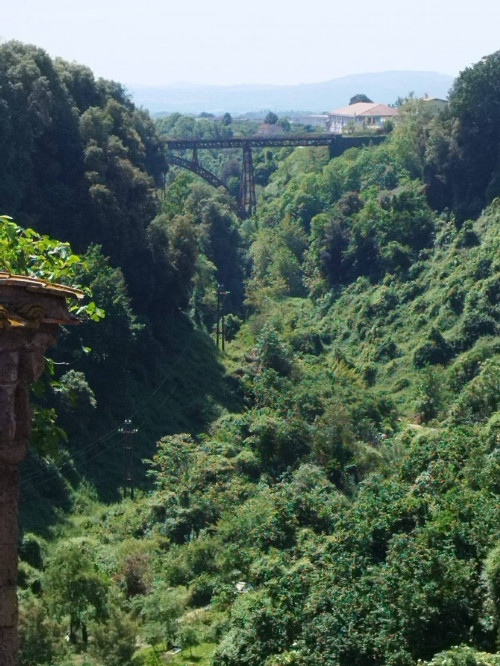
x,y
325,490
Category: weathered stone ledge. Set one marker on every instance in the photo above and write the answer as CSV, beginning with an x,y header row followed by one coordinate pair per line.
x,y
30,311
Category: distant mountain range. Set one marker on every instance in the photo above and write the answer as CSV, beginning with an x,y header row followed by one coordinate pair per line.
x,y
306,97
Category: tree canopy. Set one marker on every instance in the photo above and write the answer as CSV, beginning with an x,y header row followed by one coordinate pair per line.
x,y
463,161
360,97
325,488
271,118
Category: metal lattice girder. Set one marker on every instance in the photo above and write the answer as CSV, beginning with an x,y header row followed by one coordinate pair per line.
x,y
247,203
257,142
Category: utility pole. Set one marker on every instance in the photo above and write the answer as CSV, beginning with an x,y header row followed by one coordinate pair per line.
x,y
223,330
220,330
128,464
217,329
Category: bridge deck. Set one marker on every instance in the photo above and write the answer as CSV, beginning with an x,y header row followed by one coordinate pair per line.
x,y
254,141
281,141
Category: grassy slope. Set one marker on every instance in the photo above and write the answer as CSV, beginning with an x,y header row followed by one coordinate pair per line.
x,y
380,327
365,341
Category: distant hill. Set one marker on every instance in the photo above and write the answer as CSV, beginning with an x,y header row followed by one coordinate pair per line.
x,y
313,97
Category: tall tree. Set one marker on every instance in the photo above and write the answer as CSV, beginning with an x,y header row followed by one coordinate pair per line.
x,y
75,587
271,118
360,97
79,161
464,153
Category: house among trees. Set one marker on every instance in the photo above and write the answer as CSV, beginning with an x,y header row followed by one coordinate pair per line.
x,y
312,119
270,130
435,104
371,114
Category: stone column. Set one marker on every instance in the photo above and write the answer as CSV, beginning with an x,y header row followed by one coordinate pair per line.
x,y
30,312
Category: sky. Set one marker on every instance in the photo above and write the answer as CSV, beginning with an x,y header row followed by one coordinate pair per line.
x,y
223,42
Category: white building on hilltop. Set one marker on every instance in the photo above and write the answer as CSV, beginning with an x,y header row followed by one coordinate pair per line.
x,y
371,114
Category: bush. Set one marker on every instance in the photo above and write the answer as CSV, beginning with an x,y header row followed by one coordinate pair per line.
x,y
463,656
475,325
40,636
481,396
467,237
114,641
202,590
436,351
247,463
430,394
31,551
492,575
273,352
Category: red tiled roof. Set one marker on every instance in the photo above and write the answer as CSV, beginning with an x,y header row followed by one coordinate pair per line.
x,y
365,109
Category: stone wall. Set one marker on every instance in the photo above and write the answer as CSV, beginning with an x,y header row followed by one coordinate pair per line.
x,y
30,312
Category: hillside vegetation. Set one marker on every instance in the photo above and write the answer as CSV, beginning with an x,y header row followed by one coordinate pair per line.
x,y
324,491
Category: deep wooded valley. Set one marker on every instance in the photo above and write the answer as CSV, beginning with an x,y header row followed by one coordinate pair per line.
x,y
325,489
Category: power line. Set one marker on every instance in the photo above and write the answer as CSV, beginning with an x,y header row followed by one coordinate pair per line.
x,y
78,455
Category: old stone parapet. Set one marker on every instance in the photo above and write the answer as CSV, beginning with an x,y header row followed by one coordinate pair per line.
x,y
31,311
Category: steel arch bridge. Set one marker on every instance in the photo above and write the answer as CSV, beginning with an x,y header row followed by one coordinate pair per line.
x,y
246,204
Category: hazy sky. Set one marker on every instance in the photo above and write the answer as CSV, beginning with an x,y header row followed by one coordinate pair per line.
x,y
255,41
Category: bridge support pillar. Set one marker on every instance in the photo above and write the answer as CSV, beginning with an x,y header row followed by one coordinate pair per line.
x,y
336,148
248,200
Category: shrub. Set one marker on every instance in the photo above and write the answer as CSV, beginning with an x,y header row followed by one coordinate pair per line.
x,y
202,590
492,575
31,551
481,397
467,237
40,635
475,325
463,656
437,350
114,640
430,398
273,352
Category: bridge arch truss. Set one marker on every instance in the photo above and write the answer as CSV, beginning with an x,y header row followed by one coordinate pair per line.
x,y
246,205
